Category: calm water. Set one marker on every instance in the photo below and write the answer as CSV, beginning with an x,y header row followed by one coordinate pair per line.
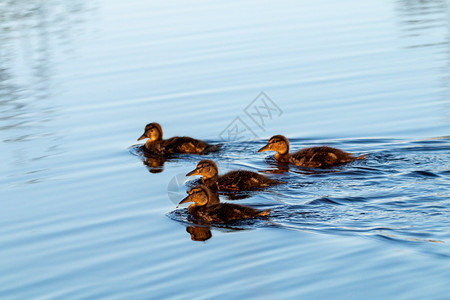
x,y
82,217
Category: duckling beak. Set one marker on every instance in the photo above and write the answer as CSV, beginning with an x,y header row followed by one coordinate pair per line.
x,y
185,200
192,173
265,148
143,136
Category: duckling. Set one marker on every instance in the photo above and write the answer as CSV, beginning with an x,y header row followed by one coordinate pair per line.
x,y
239,180
220,213
177,144
313,157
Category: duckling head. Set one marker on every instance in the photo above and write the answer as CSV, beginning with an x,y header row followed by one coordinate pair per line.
x,y
153,131
206,168
278,143
200,195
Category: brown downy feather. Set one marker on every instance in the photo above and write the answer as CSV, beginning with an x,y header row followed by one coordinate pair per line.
x,y
188,145
221,213
177,144
313,157
239,180
323,156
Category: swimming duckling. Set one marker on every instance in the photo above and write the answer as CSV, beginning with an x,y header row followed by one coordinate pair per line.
x,y
176,144
217,213
313,157
239,180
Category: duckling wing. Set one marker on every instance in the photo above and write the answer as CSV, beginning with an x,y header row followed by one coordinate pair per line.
x,y
228,212
244,180
324,156
184,144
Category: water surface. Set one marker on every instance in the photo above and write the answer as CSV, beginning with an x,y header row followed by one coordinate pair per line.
x,y
82,217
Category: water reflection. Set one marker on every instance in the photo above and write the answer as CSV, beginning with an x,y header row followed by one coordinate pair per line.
x,y
33,35
154,163
202,232
426,24
420,19
199,233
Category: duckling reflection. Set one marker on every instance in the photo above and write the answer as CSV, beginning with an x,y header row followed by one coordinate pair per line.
x,y
220,213
154,163
178,144
238,180
313,157
199,233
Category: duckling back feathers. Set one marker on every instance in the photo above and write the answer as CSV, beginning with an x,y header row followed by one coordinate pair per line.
x,y
324,156
225,213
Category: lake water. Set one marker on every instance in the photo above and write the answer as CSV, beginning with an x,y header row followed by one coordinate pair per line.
x,y
81,216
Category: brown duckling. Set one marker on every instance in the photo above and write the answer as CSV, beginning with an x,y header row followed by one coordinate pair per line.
x,y
313,157
238,180
221,213
176,144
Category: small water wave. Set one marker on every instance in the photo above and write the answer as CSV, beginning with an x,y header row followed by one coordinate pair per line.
x,y
155,162
377,197
83,218
322,201
422,174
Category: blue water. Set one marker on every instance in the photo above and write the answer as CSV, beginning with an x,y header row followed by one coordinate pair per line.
x,y
84,216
